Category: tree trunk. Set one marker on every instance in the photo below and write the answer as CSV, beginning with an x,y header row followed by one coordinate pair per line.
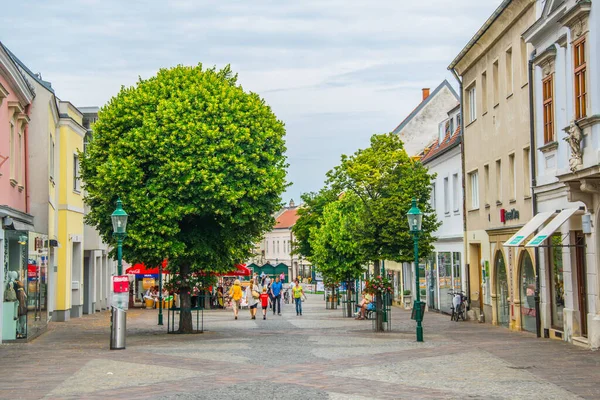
x,y
378,301
349,310
185,314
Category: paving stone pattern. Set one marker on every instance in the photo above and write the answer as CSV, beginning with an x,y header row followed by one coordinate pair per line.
x,y
320,355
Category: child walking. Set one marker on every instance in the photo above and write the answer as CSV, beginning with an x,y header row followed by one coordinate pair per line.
x,y
264,301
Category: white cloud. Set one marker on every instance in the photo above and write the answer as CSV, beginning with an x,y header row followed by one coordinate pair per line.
x,y
335,71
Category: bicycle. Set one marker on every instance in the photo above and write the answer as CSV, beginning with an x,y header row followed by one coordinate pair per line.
x,y
459,306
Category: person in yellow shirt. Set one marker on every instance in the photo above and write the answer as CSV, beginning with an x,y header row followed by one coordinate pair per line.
x,y
236,296
298,292
364,302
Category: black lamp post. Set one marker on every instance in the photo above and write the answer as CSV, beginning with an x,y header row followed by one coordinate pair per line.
x,y
415,219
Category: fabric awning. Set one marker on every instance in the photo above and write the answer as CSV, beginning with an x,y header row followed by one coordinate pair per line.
x,y
240,270
551,227
518,238
141,269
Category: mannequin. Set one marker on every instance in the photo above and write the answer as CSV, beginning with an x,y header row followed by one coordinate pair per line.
x,y
10,294
22,311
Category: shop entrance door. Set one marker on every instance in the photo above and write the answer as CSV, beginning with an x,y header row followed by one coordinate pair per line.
x,y
581,281
502,296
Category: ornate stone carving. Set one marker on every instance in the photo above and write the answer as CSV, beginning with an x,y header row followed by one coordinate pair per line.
x,y
574,138
590,186
548,67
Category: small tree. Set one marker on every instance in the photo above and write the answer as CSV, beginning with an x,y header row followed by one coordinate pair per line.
x,y
309,217
334,250
199,164
385,180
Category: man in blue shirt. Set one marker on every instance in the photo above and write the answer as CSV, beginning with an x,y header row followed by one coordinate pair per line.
x,y
276,294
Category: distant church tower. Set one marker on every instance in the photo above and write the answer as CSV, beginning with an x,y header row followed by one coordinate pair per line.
x,y
292,204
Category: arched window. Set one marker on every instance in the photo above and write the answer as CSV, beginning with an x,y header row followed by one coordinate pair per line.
x,y
502,296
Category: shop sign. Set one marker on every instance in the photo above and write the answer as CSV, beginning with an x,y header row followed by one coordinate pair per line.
x,y
147,283
506,215
121,284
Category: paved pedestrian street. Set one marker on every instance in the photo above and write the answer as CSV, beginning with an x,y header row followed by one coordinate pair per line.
x,y
319,355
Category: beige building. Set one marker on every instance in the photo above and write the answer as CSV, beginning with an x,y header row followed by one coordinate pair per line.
x,y
493,68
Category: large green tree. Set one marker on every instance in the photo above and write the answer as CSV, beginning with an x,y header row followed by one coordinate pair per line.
x,y
310,216
385,179
199,165
334,250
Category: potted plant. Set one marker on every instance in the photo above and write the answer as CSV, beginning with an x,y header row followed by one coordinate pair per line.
x,y
407,298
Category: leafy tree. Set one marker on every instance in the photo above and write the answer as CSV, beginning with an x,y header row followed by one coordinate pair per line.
x,y
199,165
334,251
310,215
385,180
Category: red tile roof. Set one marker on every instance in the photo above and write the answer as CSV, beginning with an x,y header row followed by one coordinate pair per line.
x,y
449,140
287,219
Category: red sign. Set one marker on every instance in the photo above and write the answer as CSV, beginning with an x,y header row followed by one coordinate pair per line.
x,y
121,284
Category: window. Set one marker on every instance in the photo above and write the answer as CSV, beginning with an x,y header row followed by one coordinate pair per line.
x,y
472,99
495,82
547,96
13,166
486,183
278,247
580,80
512,177
484,92
441,132
524,62
20,158
76,180
52,148
527,173
267,246
509,72
446,196
455,193
474,189
557,287
498,181
451,126
433,195
458,120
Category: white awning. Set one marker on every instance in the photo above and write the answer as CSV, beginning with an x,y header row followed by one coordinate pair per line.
x,y
528,229
551,227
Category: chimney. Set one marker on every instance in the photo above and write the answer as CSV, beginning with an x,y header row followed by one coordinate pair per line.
x,y
425,93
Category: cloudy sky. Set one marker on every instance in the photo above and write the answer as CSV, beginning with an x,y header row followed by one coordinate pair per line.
x,y
335,71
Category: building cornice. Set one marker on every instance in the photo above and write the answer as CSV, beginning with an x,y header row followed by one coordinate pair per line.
x,y
71,123
11,73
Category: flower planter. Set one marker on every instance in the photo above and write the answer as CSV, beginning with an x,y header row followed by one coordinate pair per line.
x,y
407,301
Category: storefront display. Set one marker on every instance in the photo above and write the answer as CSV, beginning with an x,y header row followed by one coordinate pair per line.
x,y
527,293
557,287
502,295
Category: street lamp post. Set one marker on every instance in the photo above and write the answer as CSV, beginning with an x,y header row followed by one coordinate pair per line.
x,y
119,222
415,219
160,290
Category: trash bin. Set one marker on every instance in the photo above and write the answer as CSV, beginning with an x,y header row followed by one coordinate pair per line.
x,y
118,324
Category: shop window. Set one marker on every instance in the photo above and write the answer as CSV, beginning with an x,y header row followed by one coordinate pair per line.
x,y
557,287
445,280
527,293
502,295
456,272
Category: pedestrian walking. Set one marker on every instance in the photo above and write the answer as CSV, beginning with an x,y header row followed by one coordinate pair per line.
x,y
252,296
298,292
236,296
264,302
276,294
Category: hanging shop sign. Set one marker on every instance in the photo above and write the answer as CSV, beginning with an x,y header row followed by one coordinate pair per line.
x,y
121,284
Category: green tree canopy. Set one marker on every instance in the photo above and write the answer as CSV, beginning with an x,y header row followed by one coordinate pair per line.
x,y
198,163
334,251
310,215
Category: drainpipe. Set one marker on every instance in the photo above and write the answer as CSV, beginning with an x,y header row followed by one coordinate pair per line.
x,y
538,320
26,157
464,203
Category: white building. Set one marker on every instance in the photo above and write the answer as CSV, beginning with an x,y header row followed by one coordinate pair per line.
x,y
276,247
566,105
98,266
445,267
418,130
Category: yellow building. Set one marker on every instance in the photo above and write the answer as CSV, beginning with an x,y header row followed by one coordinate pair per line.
x,y
69,274
493,68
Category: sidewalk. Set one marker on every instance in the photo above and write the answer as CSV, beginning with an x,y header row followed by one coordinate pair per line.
x,y
317,356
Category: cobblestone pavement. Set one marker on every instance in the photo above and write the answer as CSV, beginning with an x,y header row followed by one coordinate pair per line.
x,y
319,355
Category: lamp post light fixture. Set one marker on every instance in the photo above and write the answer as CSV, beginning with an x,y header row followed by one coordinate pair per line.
x,y
415,220
119,222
